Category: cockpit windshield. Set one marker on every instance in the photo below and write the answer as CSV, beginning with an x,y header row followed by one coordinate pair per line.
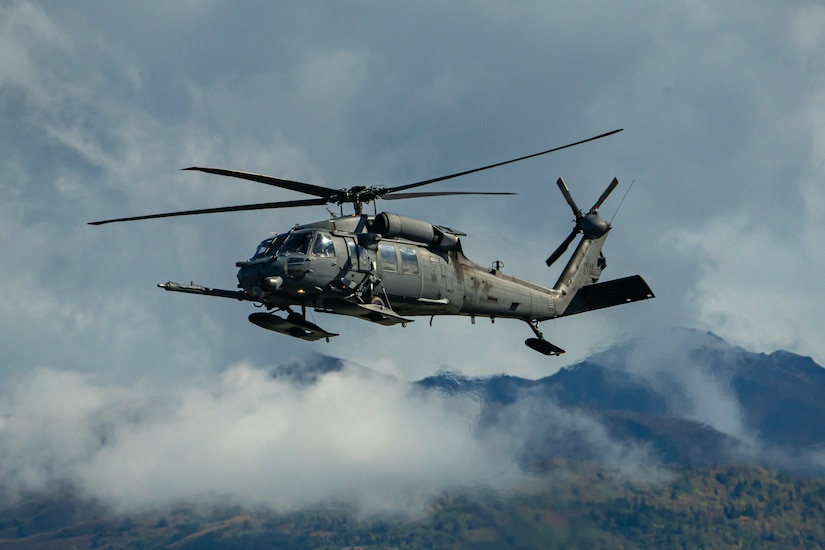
x,y
269,246
260,252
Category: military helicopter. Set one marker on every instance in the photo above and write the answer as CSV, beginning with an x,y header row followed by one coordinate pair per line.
x,y
386,268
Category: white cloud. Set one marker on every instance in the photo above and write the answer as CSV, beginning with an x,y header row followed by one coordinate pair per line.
x,y
756,287
25,31
247,437
666,358
809,22
254,439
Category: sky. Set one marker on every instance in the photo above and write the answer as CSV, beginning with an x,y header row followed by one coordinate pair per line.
x,y
102,104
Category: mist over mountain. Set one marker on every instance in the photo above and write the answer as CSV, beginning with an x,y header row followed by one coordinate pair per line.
x,y
676,396
683,396
309,369
679,396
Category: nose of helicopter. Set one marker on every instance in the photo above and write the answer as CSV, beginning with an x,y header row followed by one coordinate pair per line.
x,y
249,275
259,276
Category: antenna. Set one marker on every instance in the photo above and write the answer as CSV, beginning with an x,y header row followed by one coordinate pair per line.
x,y
622,201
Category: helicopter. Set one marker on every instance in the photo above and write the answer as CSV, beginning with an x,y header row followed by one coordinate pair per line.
x,y
385,268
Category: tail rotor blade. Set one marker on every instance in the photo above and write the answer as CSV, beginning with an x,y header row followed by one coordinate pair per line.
x,y
607,192
569,198
562,247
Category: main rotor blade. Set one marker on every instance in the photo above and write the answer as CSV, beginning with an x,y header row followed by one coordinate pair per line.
x,y
301,187
569,198
442,178
607,191
399,196
240,207
562,247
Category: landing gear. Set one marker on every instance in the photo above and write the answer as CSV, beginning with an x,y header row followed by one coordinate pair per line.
x,y
539,343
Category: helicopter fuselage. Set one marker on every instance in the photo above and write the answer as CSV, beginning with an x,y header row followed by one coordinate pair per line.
x,y
319,264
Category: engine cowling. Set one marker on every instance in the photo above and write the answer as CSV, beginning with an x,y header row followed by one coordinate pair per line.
x,y
392,225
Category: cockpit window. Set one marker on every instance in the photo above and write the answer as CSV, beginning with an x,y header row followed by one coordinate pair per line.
x,y
262,248
297,242
269,246
323,246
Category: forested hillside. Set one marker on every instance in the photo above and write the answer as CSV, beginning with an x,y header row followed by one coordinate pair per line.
x,y
572,505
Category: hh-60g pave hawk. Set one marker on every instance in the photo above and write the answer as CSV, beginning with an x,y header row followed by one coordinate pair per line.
x,y
387,267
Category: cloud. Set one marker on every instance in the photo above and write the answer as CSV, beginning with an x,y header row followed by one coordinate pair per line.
x,y
702,378
267,437
538,429
248,438
676,364
750,277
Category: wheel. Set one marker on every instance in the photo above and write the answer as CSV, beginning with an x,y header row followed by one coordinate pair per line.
x,y
377,301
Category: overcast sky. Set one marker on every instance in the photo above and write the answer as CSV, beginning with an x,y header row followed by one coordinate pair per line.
x,y
101,104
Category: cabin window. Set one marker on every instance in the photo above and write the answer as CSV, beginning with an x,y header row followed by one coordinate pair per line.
x,y
389,263
323,246
409,260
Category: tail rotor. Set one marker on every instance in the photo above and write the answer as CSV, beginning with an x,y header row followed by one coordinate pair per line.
x,y
591,224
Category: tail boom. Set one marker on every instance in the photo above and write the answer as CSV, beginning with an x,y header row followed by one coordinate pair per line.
x,y
584,268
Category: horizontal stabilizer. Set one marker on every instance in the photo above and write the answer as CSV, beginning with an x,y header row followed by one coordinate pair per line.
x,y
609,294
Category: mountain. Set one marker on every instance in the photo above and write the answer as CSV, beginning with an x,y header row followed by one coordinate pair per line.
x,y
309,369
685,396
680,396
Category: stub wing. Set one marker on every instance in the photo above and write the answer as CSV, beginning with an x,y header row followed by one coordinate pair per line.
x,y
369,312
609,294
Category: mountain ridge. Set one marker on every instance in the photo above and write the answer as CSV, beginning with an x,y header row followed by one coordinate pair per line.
x,y
680,395
690,396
